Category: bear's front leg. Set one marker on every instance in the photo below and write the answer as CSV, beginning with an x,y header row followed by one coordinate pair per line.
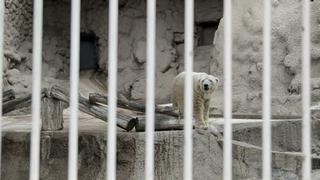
x,y
206,112
198,114
181,111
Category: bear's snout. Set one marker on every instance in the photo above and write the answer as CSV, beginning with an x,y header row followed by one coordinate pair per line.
x,y
206,87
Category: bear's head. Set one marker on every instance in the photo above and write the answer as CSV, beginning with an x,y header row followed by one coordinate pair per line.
x,y
208,83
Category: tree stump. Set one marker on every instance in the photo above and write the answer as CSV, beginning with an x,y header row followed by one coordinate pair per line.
x,y
51,114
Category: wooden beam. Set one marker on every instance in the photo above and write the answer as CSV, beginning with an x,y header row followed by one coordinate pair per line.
x,y
95,98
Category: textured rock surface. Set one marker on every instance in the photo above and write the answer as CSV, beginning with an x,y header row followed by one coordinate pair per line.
x,y
132,40
286,55
286,137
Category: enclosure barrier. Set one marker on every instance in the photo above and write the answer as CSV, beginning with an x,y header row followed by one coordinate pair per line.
x,y
188,91
150,89
74,88
266,138
306,97
112,89
1,72
36,89
227,71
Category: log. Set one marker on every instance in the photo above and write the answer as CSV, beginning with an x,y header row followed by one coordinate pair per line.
x,y
123,121
8,95
60,93
162,123
95,98
18,103
51,114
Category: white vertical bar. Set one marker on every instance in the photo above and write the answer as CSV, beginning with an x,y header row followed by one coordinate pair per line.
x,y
112,89
188,91
74,86
1,71
227,145
36,89
150,88
267,91
306,124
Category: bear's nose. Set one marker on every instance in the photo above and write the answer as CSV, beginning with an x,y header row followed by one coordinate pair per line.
x,y
206,86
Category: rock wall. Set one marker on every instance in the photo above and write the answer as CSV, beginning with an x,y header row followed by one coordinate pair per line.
x,y
207,157
94,21
247,48
286,55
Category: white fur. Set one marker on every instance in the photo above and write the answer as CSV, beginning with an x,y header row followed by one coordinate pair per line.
x,y
201,97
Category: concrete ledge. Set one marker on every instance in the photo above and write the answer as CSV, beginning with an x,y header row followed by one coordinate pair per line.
x,y
92,156
207,153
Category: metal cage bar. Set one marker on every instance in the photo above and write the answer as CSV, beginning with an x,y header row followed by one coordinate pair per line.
x,y
188,89
227,143
74,92
266,139
1,71
36,89
150,88
306,123
112,89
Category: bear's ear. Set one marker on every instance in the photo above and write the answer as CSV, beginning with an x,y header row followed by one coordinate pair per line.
x,y
215,79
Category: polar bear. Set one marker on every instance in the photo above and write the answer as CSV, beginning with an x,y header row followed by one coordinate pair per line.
x,y
203,87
